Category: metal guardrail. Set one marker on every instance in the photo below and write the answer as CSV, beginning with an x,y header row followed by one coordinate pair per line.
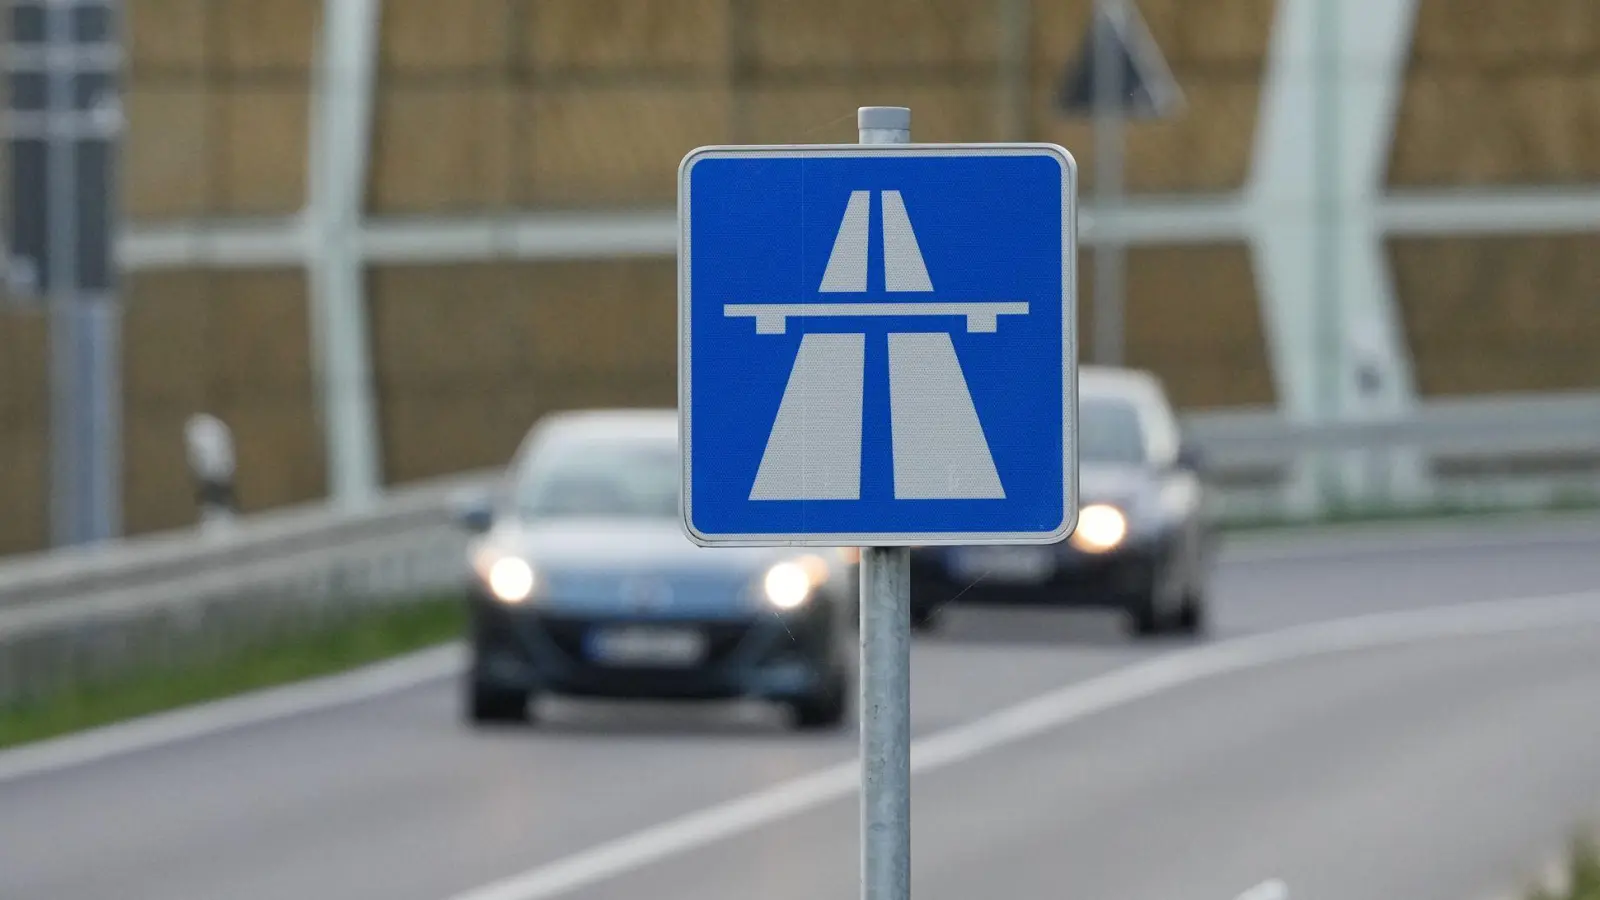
x,y
76,615
264,537
1490,428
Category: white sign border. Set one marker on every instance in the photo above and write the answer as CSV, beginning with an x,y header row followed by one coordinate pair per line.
x,y
1069,344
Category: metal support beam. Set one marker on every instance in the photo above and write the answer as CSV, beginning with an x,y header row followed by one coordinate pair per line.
x,y
1332,85
1012,107
339,152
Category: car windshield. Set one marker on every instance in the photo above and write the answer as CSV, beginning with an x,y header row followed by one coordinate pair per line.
x,y
1109,431
613,478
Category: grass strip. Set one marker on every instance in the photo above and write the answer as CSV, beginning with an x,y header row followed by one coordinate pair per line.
x,y
1582,875
366,637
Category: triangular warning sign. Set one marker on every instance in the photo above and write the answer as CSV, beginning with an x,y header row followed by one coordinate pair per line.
x,y
1148,90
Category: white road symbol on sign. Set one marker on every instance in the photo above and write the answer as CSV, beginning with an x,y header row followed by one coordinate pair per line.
x,y
814,449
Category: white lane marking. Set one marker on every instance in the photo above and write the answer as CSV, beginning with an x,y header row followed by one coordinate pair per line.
x,y
1271,889
222,715
1037,716
1554,878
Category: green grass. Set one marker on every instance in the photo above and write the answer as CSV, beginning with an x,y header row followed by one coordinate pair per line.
x,y
1582,875
365,638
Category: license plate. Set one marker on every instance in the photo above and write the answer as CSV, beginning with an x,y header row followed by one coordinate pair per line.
x,y
1012,564
646,646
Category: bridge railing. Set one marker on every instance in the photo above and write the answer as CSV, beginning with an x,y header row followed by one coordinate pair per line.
x,y
74,616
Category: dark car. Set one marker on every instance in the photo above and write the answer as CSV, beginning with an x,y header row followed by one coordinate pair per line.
x,y
1143,544
584,584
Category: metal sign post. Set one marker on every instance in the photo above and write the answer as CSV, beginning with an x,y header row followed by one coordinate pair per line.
x,y
63,124
1120,74
885,662
877,349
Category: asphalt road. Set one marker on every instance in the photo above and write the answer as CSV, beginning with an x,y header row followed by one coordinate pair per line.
x,y
1333,757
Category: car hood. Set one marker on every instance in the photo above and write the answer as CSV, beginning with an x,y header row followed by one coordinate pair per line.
x,y
1115,483
626,545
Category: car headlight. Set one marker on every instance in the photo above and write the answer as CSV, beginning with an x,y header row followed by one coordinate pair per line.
x,y
1101,527
789,584
511,579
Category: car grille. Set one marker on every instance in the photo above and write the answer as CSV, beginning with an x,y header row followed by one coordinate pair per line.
x,y
723,639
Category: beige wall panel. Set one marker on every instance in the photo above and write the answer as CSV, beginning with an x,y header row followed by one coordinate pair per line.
x,y
606,316
262,133
1192,316
1483,128
1217,52
1500,92
468,357
501,322
268,35
1218,33
234,344
24,370
166,154
428,433
24,489
441,148
1205,149
1499,32
610,146
24,432
157,490
1497,314
260,338
166,342
827,114
280,450
434,326
625,35
852,35
1193,37
430,36
166,36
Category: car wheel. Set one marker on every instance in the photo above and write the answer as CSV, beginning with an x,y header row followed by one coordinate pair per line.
x,y
489,705
1192,617
825,709
1144,616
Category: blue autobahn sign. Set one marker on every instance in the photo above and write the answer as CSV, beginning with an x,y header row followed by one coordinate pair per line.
x,y
876,344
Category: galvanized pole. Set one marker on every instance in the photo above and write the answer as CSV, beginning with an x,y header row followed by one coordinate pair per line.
x,y
68,399
1108,152
64,125
885,662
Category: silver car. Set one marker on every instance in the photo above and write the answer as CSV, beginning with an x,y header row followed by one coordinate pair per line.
x,y
1144,544
584,584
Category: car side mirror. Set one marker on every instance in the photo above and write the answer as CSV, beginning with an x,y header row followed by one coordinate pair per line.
x,y
474,512
1189,457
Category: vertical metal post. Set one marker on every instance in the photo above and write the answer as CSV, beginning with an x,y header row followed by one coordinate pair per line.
x,y
1108,177
1015,33
885,662
1328,321
63,128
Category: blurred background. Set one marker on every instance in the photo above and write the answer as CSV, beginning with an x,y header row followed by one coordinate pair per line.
x,y
286,280
376,240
